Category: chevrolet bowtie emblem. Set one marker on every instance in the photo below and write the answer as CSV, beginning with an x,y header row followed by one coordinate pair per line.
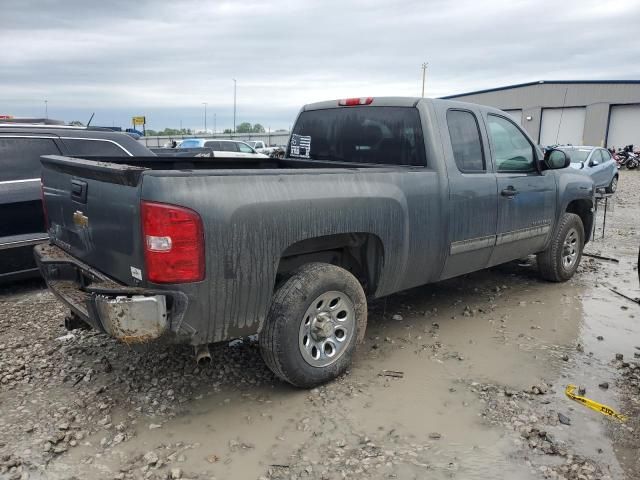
x,y
80,219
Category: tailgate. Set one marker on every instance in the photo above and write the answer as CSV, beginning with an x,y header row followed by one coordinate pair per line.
x,y
93,213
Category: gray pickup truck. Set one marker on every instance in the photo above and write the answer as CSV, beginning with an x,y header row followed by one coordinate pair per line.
x,y
375,195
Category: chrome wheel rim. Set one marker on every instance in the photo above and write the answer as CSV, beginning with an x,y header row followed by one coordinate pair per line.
x,y
614,184
570,249
326,329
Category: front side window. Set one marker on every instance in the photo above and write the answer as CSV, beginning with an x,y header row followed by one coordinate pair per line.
x,y
367,134
244,148
90,147
465,141
20,157
606,156
511,149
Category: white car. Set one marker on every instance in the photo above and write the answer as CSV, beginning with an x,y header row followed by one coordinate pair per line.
x,y
226,148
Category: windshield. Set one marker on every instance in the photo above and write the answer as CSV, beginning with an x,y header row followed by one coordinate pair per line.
x,y
386,135
578,155
253,144
190,144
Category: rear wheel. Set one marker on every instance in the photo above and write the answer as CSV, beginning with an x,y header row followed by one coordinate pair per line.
x,y
560,260
613,186
317,317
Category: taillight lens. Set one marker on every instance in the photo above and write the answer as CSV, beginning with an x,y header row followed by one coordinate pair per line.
x,y
44,207
352,102
173,243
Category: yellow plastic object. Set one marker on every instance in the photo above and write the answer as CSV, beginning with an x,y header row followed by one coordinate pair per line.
x,y
598,407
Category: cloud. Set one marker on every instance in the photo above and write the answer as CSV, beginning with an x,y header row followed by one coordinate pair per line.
x,y
121,58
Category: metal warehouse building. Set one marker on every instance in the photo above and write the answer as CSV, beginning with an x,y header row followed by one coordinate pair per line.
x,y
604,113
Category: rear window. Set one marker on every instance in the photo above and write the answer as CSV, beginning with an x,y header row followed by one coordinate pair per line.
x,y
381,135
92,147
20,157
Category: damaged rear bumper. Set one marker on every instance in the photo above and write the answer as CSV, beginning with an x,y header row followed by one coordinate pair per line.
x,y
129,314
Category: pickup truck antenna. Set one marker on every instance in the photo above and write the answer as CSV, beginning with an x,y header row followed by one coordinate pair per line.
x,y
91,118
564,102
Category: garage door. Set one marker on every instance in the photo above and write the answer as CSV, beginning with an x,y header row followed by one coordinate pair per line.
x,y
562,126
624,126
516,115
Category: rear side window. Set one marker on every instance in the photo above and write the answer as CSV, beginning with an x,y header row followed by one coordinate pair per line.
x,y
606,156
20,157
465,141
213,145
380,135
87,146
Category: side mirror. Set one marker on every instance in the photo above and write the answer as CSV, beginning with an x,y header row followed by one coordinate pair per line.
x,y
555,159
593,163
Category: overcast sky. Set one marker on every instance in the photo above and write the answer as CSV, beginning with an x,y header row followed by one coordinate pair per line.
x,y
162,60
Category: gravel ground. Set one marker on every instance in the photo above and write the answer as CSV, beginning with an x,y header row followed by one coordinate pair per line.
x,y
482,362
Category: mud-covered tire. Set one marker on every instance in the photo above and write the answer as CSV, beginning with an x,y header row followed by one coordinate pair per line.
x,y
280,337
552,263
613,186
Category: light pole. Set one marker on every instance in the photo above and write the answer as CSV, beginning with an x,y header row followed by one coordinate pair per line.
x,y
214,123
424,74
46,109
234,105
205,116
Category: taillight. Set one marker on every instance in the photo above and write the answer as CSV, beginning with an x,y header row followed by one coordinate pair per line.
x,y
44,207
352,102
173,243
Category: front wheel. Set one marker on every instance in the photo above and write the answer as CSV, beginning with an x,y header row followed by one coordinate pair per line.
x,y
316,319
560,260
613,186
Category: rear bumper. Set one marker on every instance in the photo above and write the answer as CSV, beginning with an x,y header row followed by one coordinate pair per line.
x,y
129,314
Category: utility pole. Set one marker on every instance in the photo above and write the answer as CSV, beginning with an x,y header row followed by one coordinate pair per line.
x,y
46,109
424,76
205,117
234,105
214,123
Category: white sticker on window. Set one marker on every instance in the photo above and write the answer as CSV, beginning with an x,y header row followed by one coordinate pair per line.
x,y
300,146
136,273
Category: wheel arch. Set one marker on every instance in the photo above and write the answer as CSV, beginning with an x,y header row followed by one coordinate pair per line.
x,y
361,253
584,209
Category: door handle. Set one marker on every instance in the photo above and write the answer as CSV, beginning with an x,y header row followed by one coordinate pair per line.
x,y
509,192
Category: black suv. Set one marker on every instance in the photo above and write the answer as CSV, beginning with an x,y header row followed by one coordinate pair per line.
x,y
21,217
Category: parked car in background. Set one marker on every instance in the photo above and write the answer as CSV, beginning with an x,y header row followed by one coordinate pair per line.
x,y
226,148
597,163
22,219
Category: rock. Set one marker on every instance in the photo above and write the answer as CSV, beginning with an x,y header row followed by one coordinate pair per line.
x,y
563,419
153,426
397,317
63,426
176,473
604,385
600,337
435,436
565,357
119,438
582,390
619,356
150,458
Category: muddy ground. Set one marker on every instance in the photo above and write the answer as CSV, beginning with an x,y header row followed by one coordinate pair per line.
x,y
462,379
